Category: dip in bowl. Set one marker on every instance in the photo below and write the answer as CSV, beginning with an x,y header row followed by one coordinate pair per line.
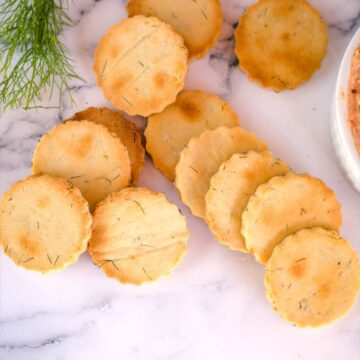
x,y
345,112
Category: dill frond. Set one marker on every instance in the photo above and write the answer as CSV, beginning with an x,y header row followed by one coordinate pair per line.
x,y
32,58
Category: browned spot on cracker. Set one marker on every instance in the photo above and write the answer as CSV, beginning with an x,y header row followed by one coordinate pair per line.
x,y
121,82
190,109
82,147
298,270
285,36
114,52
42,202
324,290
160,80
28,245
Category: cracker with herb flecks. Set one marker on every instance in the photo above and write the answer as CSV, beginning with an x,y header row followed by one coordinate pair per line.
x,y
125,130
201,159
88,155
198,22
280,43
140,64
138,236
284,205
312,277
230,190
45,223
168,132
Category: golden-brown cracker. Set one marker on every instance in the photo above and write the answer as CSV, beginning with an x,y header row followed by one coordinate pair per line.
x,y
280,43
201,159
284,205
88,155
230,190
125,130
45,223
140,64
168,132
138,236
312,277
198,22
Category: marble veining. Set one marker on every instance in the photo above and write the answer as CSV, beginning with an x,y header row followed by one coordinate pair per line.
x,y
213,306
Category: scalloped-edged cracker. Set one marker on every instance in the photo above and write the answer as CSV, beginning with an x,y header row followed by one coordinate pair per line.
x,y
198,22
284,205
280,43
88,155
230,190
138,236
125,130
140,65
201,159
312,277
168,132
45,223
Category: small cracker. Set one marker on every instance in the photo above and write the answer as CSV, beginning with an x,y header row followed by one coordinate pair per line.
x,y
138,236
125,130
280,43
312,277
230,190
168,132
45,223
201,159
198,22
284,205
140,64
86,154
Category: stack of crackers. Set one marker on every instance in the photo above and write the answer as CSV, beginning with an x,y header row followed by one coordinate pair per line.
x,y
79,197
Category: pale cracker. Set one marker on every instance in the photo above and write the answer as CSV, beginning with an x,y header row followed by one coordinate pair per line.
x,y
312,277
168,132
88,155
140,64
284,205
124,129
230,190
138,236
45,223
280,43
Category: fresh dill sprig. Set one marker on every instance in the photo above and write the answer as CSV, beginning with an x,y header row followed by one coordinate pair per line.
x,y
32,57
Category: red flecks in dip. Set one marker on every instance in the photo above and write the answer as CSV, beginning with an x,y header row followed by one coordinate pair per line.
x,y
354,99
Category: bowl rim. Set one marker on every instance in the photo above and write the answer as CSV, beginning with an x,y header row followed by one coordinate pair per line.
x,y
342,127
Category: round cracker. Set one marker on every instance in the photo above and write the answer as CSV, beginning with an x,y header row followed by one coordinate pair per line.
x,y
168,132
312,277
88,155
138,236
201,159
45,223
230,190
198,22
284,205
140,64
280,43
125,130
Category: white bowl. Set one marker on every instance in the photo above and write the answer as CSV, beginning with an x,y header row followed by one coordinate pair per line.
x,y
341,134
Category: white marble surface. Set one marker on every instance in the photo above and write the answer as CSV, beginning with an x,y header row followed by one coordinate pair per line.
x,y
213,306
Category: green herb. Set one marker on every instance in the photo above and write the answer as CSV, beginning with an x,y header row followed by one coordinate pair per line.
x,y
32,58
